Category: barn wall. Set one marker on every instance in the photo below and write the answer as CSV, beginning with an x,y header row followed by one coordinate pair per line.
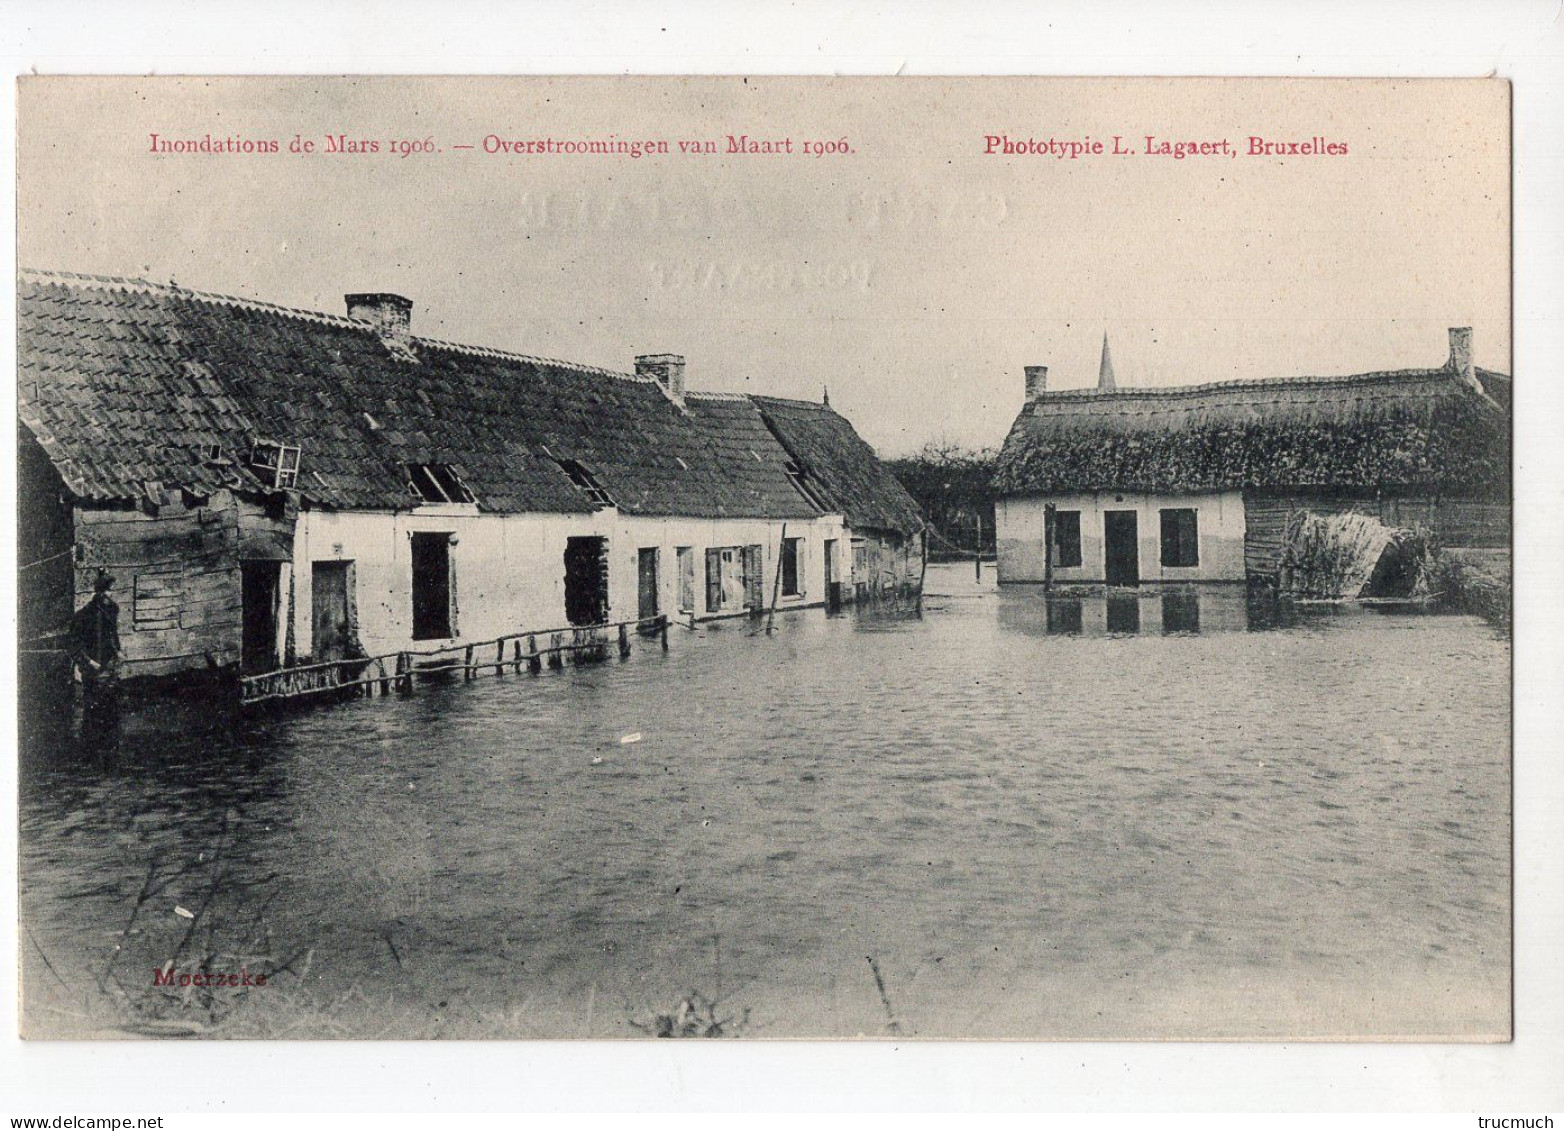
x,y
45,584
882,562
176,581
509,573
1457,522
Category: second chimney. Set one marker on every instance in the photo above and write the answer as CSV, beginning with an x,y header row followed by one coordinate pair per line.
x,y
390,315
667,369
1460,362
1036,381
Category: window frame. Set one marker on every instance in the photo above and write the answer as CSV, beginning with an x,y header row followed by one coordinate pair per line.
x,y
437,483
1053,525
1184,542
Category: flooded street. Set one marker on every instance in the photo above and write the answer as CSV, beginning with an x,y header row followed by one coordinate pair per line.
x,y
1077,819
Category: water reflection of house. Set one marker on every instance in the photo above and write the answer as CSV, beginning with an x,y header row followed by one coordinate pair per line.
x,y
269,485
1196,482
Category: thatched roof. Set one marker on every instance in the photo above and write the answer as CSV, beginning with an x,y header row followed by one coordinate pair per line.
x,y
838,468
129,386
1408,429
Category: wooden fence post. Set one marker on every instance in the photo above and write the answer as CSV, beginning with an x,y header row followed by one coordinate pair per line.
x,y
515,654
664,631
499,658
556,656
404,673
624,642
534,664
467,671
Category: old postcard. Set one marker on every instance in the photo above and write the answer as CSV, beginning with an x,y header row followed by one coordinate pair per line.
x,y
765,558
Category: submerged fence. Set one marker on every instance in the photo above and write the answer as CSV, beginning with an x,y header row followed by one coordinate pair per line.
x,y
400,672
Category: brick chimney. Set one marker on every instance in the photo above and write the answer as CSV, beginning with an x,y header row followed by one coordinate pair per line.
x,y
667,369
1460,362
1036,382
390,315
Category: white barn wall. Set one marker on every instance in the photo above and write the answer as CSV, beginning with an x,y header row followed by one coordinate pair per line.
x,y
1220,525
509,570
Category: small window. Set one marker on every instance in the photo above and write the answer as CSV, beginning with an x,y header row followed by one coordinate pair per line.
x,y
276,465
1180,537
585,482
432,587
791,551
158,597
1064,534
437,483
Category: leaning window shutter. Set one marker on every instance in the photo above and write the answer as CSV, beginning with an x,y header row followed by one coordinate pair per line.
x,y
713,581
754,581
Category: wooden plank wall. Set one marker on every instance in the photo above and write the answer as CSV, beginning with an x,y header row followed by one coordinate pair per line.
x,y
1457,522
176,577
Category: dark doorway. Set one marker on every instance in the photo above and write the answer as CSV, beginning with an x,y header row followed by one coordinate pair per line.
x,y
432,587
833,583
333,628
258,631
646,583
1121,548
586,580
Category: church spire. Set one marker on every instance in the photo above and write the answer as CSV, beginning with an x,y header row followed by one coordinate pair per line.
x,y
825,395
1105,370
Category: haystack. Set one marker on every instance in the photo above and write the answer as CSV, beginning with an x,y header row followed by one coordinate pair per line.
x,y
1337,556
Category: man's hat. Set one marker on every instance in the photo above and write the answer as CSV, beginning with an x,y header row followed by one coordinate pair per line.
x,y
105,581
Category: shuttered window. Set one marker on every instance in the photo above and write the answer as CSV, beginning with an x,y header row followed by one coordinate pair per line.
x,y
686,579
1180,537
754,577
159,596
1064,535
714,580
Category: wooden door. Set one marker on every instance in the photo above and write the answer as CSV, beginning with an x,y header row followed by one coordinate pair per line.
x,y
646,583
1121,548
329,599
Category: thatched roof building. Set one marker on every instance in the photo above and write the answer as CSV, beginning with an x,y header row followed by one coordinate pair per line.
x,y
1200,482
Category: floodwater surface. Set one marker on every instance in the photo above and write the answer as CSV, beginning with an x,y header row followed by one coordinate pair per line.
x,y
1166,816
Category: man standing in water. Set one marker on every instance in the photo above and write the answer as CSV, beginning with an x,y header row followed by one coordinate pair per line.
x,y
95,650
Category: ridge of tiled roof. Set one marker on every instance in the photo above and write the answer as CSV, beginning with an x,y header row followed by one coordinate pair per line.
x,y
144,286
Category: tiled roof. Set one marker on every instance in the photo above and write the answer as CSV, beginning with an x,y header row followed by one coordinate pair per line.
x,y
127,383
1425,428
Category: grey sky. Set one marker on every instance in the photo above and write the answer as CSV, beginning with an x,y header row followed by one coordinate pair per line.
x,y
914,276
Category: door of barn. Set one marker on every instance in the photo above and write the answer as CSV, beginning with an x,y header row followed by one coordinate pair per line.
x,y
329,602
646,583
1121,548
586,580
258,624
